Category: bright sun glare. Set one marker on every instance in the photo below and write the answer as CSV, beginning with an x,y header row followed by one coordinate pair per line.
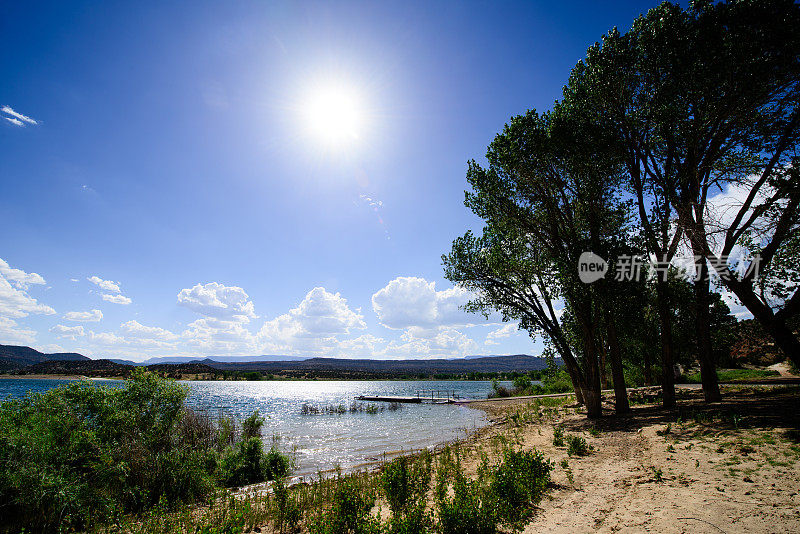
x,y
333,115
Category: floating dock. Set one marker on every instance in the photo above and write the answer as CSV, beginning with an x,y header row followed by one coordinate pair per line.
x,y
432,396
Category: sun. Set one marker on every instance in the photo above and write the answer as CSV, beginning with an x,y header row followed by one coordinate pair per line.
x,y
333,115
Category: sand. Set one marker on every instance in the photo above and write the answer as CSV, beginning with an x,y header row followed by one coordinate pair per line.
x,y
722,467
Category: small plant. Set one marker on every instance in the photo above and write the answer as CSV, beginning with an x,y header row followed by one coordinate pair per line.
x,y
658,474
666,431
558,436
349,512
670,448
288,512
568,471
594,432
577,446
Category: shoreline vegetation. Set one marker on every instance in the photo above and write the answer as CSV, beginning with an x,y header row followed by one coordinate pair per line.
x,y
151,465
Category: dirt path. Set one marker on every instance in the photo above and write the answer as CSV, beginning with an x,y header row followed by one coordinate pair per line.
x,y
727,467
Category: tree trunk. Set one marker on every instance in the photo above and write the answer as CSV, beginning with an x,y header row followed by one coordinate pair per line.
x,y
648,368
708,369
594,407
665,319
617,371
603,357
592,394
576,383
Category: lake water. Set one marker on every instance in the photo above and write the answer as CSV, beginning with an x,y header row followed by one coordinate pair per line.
x,y
323,441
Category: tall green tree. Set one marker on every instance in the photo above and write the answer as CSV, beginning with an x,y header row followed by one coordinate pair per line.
x,y
702,100
547,196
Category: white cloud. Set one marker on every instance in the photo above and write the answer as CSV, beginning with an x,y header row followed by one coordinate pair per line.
x,y
217,300
68,332
86,317
439,342
210,335
14,121
13,334
314,323
117,299
105,285
15,301
501,333
19,278
134,329
412,301
19,118
371,202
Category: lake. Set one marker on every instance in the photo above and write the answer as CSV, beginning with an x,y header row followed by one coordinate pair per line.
x,y
324,441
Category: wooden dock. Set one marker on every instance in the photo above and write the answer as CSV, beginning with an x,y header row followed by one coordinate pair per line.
x,y
430,396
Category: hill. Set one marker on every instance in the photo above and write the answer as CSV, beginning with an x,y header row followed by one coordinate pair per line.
x,y
485,364
16,357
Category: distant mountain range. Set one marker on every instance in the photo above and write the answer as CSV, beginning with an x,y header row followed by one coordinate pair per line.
x,y
28,360
189,359
16,357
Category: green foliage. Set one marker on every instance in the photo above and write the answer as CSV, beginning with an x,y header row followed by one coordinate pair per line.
x,y
577,446
288,512
518,482
82,455
558,436
349,512
405,483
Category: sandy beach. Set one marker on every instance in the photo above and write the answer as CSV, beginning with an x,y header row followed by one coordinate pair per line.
x,y
721,467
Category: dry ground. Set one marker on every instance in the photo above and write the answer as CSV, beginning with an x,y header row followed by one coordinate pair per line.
x,y
721,467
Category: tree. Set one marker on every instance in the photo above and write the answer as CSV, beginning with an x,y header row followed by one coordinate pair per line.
x,y
547,197
700,100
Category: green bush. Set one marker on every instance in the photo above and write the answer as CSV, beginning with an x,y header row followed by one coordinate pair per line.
x,y
558,436
518,482
83,455
405,483
577,446
349,512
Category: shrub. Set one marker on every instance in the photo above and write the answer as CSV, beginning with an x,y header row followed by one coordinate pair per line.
x,y
577,446
558,436
82,455
469,510
349,512
288,512
251,427
405,483
519,481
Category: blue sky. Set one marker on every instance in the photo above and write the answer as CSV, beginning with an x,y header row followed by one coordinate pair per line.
x,y
168,195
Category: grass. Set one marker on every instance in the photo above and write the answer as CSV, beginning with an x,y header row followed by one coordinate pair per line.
x,y
734,375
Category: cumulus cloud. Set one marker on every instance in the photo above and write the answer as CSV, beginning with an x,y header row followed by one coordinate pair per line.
x,y
68,332
217,300
19,278
501,333
314,323
105,285
439,342
137,330
14,299
410,301
17,118
211,335
93,316
13,334
117,299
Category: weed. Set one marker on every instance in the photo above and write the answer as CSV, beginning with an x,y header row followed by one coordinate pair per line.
x,y
558,436
577,446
